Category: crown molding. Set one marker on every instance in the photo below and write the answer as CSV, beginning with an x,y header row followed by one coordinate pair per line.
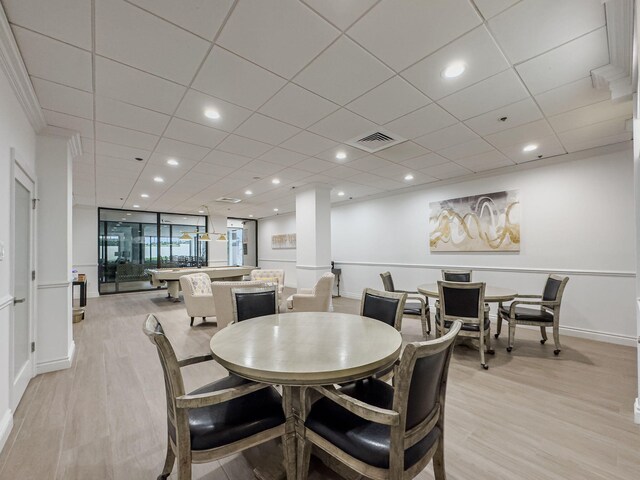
x,y
13,66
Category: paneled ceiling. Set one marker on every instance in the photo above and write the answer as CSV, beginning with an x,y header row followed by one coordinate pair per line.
x,y
291,81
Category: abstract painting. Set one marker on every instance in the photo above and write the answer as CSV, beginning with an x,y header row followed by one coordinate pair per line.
x,y
480,223
284,240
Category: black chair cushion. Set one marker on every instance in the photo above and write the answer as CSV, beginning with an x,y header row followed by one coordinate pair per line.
x,y
529,314
255,304
551,289
457,277
413,308
467,327
228,422
380,308
367,441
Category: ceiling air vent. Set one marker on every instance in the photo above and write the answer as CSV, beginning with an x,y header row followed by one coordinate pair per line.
x,y
375,140
228,200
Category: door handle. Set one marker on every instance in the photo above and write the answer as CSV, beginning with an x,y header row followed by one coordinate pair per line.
x,y
18,300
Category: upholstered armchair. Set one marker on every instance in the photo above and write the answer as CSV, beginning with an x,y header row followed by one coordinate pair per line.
x,y
417,305
269,276
316,299
198,298
223,301
543,311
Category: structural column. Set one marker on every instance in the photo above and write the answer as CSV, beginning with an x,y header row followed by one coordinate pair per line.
x,y
217,249
313,232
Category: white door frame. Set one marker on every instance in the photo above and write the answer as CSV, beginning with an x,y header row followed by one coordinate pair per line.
x,y
21,172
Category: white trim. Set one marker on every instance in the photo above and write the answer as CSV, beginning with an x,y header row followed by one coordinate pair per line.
x,y
636,411
53,285
6,424
75,145
275,261
6,301
85,265
12,64
60,364
566,271
313,267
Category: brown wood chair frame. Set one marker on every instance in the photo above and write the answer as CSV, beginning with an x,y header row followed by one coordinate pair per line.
x,y
425,317
179,403
551,306
396,418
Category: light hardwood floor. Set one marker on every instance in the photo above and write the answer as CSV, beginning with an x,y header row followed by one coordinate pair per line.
x,y
530,416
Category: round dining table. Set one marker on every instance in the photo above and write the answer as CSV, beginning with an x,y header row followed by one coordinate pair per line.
x,y
491,294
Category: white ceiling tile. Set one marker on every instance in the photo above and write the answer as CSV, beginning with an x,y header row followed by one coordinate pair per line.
x,y
402,151
477,50
342,14
571,146
490,8
261,167
343,72
555,23
280,36
201,18
183,150
265,129
282,157
350,152
124,136
82,126
212,169
608,128
425,120
368,163
341,172
494,92
595,113
195,103
243,146
457,133
290,175
519,113
341,126
466,149
395,172
425,161
547,147
194,133
225,75
446,170
167,51
65,20
122,165
129,116
308,143
120,151
63,99
184,164
226,159
520,135
401,33
314,165
386,102
485,161
567,63
570,96
129,85
53,60
298,106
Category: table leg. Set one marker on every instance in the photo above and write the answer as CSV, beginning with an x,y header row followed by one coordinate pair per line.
x,y
173,289
83,294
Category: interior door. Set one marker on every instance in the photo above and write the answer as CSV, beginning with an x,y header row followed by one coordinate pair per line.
x,y
22,266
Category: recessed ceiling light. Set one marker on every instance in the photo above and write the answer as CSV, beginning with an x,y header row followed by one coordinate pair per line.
x,y
408,177
200,211
248,192
530,148
250,216
275,181
158,179
123,218
127,214
275,209
144,195
341,155
136,206
173,162
341,194
212,113
454,70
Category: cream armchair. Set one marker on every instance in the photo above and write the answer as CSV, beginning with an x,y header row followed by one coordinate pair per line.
x,y
316,299
198,298
269,276
224,301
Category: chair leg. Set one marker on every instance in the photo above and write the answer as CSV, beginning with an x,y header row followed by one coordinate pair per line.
x,y
543,332
192,321
184,467
428,315
512,334
438,461
487,341
303,458
499,326
483,361
423,321
556,339
168,462
204,319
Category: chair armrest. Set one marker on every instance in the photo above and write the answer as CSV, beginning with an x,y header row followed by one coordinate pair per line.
x,y
539,303
195,359
528,296
416,298
221,396
360,408
407,291
304,291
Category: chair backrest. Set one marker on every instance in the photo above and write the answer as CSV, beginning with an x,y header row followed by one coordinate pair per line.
x,y
254,302
196,284
268,275
324,286
223,300
554,288
384,306
456,275
387,282
461,300
420,384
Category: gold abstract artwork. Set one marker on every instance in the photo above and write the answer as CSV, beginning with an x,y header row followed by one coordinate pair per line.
x,y
480,223
283,240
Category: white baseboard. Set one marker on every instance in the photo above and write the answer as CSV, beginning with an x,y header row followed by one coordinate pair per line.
x,y
6,424
61,364
636,411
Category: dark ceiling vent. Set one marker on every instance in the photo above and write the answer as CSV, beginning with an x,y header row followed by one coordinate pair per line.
x,y
228,200
375,140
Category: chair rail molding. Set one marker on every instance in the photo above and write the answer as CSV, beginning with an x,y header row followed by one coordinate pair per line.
x,y
276,260
313,267
63,284
16,71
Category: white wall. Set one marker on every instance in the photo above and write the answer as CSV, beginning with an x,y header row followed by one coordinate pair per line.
x,y
85,245
278,258
16,132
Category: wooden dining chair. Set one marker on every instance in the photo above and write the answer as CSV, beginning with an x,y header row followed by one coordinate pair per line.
x,y
416,305
381,431
218,419
254,302
388,307
456,275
